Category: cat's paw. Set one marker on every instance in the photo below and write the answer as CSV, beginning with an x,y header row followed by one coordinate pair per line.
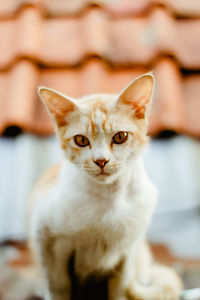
x,y
170,293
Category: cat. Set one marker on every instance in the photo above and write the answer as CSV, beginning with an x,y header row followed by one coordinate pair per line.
x,y
94,207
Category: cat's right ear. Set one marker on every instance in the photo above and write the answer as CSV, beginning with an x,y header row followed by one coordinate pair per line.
x,y
137,95
57,104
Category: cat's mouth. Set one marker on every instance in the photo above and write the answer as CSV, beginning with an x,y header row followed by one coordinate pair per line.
x,y
103,173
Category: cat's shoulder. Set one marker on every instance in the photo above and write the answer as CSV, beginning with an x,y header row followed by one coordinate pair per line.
x,y
49,177
46,181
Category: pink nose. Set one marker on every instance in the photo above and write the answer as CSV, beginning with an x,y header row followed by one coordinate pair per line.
x,y
101,162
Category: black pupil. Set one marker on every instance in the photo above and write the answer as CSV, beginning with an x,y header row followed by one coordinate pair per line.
x,y
120,136
83,140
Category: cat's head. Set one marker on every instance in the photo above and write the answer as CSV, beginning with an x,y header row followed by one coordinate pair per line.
x,y
102,133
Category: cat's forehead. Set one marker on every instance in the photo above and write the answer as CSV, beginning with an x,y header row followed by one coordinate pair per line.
x,y
96,110
95,101
100,114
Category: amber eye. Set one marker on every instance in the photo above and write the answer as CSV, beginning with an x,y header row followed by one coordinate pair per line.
x,y
81,140
120,137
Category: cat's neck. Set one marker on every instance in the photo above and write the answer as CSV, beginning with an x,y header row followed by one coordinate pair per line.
x,y
130,176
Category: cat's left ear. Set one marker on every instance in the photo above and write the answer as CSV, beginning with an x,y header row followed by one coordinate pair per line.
x,y
58,105
137,95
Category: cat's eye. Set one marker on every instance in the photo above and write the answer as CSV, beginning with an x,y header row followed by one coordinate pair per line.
x,y
120,137
81,140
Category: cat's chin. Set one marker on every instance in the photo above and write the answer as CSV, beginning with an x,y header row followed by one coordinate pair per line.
x,y
105,178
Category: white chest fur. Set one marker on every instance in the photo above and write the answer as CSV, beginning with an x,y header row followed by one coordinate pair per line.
x,y
101,223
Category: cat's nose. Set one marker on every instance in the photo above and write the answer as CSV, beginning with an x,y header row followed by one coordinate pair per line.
x,y
101,162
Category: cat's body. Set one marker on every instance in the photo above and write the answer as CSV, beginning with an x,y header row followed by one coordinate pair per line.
x,y
96,205
101,231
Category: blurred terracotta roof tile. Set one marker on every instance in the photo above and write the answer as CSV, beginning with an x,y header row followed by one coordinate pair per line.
x,y
191,104
7,51
187,43
88,46
20,37
79,37
121,42
183,8
29,31
124,8
120,8
17,94
93,77
167,107
175,106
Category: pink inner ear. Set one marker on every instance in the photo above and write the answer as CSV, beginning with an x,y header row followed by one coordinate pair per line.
x,y
139,111
57,105
138,95
59,108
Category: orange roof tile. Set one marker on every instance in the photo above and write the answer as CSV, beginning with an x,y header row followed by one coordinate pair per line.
x,y
166,113
183,8
88,46
120,42
191,105
120,8
175,105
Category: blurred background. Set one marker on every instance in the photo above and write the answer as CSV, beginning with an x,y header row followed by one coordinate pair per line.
x,y
84,46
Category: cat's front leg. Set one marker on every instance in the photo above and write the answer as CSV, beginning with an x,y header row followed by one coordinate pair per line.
x,y
120,279
115,290
54,258
124,273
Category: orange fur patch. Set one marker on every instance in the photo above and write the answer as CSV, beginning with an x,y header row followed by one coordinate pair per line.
x,y
101,107
139,111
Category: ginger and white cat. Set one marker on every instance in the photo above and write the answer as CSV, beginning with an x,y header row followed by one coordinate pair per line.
x,y
96,205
